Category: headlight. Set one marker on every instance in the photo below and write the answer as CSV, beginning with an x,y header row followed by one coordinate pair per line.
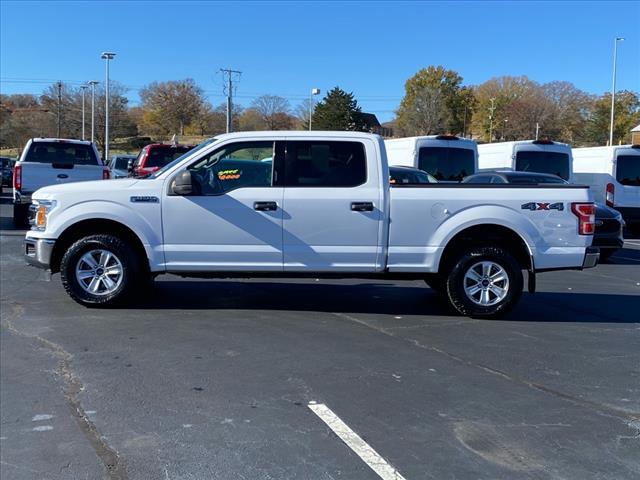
x,y
38,213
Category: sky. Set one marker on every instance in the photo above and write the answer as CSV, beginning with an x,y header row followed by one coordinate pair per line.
x,y
369,48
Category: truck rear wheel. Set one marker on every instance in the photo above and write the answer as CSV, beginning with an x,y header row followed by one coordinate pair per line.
x,y
101,270
486,282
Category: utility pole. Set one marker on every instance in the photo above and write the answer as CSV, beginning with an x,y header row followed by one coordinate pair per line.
x,y
464,122
59,87
229,91
83,88
93,84
491,109
537,130
613,86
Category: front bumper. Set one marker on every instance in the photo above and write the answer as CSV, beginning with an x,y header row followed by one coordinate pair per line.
x,y
37,252
591,257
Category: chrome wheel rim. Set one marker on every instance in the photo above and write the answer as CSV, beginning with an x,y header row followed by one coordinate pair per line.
x,y
99,272
486,283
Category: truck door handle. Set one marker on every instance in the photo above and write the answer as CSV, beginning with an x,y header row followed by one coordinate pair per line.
x,y
362,206
265,206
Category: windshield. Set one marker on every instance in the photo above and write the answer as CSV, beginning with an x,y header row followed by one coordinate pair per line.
x,y
399,176
447,163
120,163
628,170
170,165
540,161
60,152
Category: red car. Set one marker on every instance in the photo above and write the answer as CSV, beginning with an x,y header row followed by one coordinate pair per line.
x,y
155,156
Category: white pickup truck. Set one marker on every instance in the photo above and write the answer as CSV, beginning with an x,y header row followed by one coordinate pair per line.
x,y
51,161
292,204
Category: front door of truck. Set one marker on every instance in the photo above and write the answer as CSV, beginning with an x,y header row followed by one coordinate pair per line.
x,y
233,219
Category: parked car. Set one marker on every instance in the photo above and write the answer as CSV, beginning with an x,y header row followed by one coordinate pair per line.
x,y
409,176
155,156
613,173
6,165
446,157
542,156
119,165
323,207
51,161
608,234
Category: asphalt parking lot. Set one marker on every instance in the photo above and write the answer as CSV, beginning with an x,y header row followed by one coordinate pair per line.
x,y
219,379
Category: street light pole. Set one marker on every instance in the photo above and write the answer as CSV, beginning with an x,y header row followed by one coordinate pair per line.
x,y
314,91
59,88
93,84
83,88
613,86
106,56
491,109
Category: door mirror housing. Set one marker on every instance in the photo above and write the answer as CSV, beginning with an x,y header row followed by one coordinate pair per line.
x,y
183,184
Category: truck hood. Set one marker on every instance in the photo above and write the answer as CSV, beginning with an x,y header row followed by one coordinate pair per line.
x,y
94,187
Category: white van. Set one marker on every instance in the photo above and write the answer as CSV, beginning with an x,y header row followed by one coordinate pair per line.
x,y
613,173
541,156
448,158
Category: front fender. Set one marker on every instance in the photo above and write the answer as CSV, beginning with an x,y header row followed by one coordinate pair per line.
x,y
145,224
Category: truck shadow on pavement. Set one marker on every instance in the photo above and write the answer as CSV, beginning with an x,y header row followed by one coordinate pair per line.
x,y
379,299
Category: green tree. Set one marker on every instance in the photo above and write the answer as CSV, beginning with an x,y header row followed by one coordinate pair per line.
x,y
627,116
338,110
434,102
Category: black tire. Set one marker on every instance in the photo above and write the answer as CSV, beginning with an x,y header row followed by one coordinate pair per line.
x,y
134,272
21,214
437,283
605,255
459,299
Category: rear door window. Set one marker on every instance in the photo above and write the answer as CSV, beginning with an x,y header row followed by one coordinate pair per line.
x,y
628,170
325,164
555,163
446,163
61,153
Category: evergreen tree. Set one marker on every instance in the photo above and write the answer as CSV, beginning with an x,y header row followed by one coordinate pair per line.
x,y
338,110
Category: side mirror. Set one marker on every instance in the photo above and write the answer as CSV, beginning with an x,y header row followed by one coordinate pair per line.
x,y
183,184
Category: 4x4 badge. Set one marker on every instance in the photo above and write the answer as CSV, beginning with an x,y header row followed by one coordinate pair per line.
x,y
542,206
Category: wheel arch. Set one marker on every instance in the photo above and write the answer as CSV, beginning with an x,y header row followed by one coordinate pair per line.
x,y
487,234
92,227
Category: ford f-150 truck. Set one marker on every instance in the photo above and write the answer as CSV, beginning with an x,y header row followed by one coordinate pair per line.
x,y
292,204
51,161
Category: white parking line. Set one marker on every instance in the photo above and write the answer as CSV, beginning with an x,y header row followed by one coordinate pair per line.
x,y
355,442
632,243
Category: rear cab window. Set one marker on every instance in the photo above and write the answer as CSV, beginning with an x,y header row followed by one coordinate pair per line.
x,y
540,161
628,170
61,153
449,164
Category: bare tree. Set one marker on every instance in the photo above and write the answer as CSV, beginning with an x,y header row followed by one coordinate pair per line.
x,y
425,115
274,111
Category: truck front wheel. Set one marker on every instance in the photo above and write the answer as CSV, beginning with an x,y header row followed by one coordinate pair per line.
x,y
486,282
101,270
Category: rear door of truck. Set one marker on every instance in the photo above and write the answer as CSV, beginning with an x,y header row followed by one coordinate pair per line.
x,y
333,212
56,161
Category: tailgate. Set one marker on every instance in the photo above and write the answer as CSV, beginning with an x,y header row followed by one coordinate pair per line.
x,y
36,175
